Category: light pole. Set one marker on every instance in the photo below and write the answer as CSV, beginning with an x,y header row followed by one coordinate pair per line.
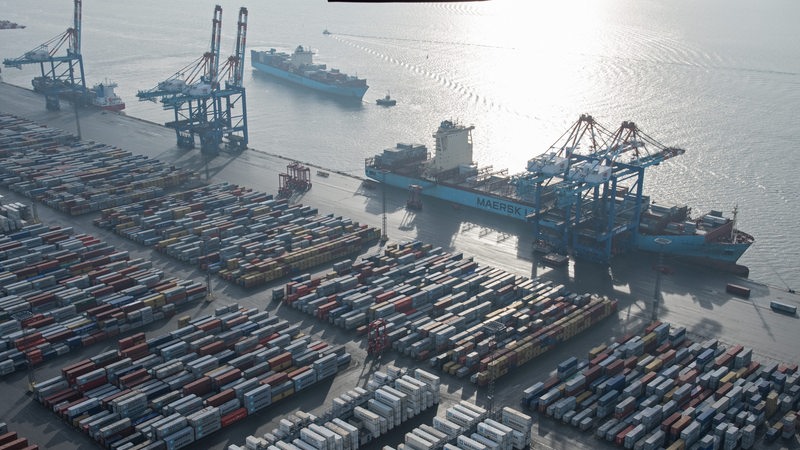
x,y
656,296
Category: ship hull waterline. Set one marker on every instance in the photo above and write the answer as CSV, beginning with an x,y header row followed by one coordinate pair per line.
x,y
692,249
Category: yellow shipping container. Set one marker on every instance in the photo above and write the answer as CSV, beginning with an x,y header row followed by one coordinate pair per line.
x,y
654,365
729,377
677,445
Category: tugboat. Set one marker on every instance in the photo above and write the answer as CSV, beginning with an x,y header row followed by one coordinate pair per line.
x,y
387,101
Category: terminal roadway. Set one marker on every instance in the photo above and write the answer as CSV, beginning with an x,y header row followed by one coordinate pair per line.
x,y
693,297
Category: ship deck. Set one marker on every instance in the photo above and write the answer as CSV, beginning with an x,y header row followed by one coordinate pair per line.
x,y
692,297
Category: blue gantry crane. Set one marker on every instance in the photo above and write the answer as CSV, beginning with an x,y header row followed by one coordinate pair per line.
x,y
588,189
61,74
203,108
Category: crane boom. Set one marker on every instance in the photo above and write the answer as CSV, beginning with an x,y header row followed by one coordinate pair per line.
x,y
213,59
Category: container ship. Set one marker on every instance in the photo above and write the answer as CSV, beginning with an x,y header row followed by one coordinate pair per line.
x,y
102,95
587,205
299,68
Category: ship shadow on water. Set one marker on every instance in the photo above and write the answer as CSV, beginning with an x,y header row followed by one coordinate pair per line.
x,y
446,225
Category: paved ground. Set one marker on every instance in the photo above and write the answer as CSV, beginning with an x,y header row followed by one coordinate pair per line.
x,y
693,297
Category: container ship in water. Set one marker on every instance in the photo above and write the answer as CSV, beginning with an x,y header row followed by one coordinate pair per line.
x,y
101,95
299,68
584,197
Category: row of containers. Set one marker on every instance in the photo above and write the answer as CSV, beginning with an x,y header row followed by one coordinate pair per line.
x,y
61,291
357,417
169,391
247,237
440,307
468,426
10,440
360,416
660,389
78,177
14,215
18,135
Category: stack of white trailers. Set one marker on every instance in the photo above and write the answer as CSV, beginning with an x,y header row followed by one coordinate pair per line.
x,y
468,426
390,399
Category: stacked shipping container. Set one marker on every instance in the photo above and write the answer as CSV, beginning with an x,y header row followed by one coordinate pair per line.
x,y
659,389
358,416
62,291
78,177
246,237
442,307
172,390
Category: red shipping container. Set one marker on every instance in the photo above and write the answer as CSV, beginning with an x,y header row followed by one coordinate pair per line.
x,y
598,359
615,367
212,348
735,350
134,378
130,341
210,326
199,387
235,321
666,424
648,377
667,357
227,377
620,438
136,351
72,372
234,416
222,397
16,444
8,437
298,371
723,360
275,379
280,361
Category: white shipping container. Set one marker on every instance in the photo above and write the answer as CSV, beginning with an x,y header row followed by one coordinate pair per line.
x,y
467,443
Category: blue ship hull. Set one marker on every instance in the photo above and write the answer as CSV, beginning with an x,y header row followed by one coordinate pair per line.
x,y
456,194
690,247
342,91
693,247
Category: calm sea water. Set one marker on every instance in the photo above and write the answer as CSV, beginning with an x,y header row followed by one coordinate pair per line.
x,y
719,78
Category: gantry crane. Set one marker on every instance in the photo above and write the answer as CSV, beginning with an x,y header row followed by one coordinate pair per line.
x,y
232,125
547,175
608,198
595,199
202,107
61,74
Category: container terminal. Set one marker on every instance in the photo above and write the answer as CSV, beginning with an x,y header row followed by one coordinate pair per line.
x,y
692,297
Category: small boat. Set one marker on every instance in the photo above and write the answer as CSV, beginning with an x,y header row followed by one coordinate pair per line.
x,y
326,32
387,101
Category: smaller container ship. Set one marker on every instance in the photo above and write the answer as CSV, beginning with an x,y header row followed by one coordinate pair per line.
x,y
102,95
573,202
299,68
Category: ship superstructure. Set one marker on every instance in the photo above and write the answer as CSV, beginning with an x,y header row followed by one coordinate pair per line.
x,y
584,196
103,96
299,68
